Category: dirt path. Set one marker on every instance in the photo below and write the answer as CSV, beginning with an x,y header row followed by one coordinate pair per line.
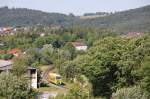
x,y
45,74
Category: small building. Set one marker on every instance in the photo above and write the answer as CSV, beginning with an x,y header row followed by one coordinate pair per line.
x,y
1,44
80,46
6,66
5,31
55,27
133,34
41,34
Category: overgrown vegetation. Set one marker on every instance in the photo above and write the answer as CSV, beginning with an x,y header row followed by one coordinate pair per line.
x,y
130,93
13,87
113,63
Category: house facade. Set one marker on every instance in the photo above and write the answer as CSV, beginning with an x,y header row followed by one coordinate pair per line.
x,y
133,34
80,46
6,66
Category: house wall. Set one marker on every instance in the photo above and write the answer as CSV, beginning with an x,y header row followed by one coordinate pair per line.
x,y
81,48
34,80
32,73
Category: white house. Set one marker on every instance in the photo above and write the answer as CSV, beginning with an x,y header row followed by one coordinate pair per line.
x,y
80,46
6,66
41,34
32,74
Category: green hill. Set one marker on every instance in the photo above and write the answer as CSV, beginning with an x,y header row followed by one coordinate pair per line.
x,y
22,16
136,20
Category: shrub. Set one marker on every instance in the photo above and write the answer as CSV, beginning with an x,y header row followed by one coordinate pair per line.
x,y
12,87
130,93
6,56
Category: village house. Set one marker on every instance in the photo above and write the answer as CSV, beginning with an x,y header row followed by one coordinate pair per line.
x,y
41,34
55,27
133,34
6,31
6,66
16,52
1,44
80,46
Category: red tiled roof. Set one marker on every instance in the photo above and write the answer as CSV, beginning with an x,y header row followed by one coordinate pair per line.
x,y
14,51
133,34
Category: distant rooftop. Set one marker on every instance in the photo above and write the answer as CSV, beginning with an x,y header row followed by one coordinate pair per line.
x,y
8,65
5,65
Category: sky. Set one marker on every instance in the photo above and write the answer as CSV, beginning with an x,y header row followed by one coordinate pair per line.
x,y
78,7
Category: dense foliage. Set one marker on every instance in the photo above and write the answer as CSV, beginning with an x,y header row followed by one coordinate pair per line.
x,y
121,22
20,65
13,87
6,56
54,47
25,17
130,93
113,63
81,89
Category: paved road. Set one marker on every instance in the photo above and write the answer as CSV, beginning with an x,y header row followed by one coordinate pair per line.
x,y
45,95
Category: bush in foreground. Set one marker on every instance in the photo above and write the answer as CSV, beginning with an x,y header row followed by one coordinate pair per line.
x,y
12,87
130,93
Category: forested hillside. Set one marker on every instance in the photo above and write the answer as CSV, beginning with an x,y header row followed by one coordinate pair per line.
x,y
24,17
134,20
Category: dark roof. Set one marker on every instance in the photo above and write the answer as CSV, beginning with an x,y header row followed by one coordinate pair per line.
x,y
4,65
133,34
